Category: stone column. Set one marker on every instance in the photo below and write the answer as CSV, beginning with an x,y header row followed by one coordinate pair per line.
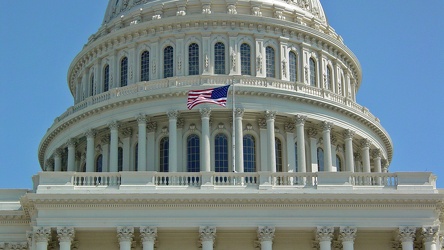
x,y
180,124
365,150
239,139
334,148
377,155
324,235
148,236
114,146
126,135
300,139
172,147
291,159
125,236
90,134
263,145
151,129
384,164
347,236
430,237
71,155
348,138
326,129
312,132
141,142
266,236
58,160
207,237
407,237
270,116
66,236
205,144
105,152
357,157
42,235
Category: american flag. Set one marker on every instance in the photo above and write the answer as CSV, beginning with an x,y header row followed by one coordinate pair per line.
x,y
215,95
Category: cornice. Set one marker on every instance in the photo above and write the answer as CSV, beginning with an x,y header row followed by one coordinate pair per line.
x,y
151,29
244,90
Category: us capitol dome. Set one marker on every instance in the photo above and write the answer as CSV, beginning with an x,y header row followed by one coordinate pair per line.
x,y
218,125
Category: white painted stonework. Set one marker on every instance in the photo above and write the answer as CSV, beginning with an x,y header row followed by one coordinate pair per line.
x,y
293,163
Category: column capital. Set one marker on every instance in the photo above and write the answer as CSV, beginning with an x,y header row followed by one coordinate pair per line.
x,y
148,233
114,125
270,115
312,132
42,234
58,152
173,114
239,112
348,134
326,126
347,233
324,233
430,234
125,233
376,153
300,119
71,142
141,119
265,233
90,133
205,112
17,246
151,126
65,234
407,234
365,143
289,127
207,233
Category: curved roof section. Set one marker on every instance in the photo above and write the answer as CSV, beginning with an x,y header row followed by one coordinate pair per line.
x,y
117,8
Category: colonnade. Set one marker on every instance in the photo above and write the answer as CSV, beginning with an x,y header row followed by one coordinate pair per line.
x,y
353,158
326,237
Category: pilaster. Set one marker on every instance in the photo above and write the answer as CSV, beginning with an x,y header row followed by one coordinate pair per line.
x,y
270,117
205,144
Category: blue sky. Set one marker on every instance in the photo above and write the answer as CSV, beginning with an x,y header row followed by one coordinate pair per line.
x,y
398,42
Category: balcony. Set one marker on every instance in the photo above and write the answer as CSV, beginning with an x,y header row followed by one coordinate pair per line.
x,y
218,182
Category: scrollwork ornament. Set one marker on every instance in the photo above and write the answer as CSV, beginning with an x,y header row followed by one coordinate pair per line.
x,y
114,125
71,142
430,234
173,114
326,126
312,132
205,112
262,123
127,132
239,112
207,233
125,233
17,246
141,119
347,233
180,123
289,127
90,133
105,139
231,9
284,68
206,9
265,233
259,63
366,143
376,153
151,126
348,134
300,119
270,115
233,60
148,233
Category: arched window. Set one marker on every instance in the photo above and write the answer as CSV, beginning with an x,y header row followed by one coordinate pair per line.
x,y
106,78
245,58
313,72
338,164
278,152
320,154
145,66
168,62
92,86
296,157
249,154
270,62
99,161
120,159
193,59
164,153
219,58
329,79
136,157
193,153
293,66
124,72
221,153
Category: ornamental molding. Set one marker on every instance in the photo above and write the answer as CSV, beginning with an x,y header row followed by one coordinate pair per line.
x,y
207,233
265,233
347,233
65,234
407,234
42,234
324,233
56,129
125,234
148,234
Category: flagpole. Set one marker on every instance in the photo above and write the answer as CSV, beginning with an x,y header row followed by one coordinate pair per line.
x,y
233,138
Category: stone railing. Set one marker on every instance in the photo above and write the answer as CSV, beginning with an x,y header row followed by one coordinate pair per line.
x,y
63,181
191,81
